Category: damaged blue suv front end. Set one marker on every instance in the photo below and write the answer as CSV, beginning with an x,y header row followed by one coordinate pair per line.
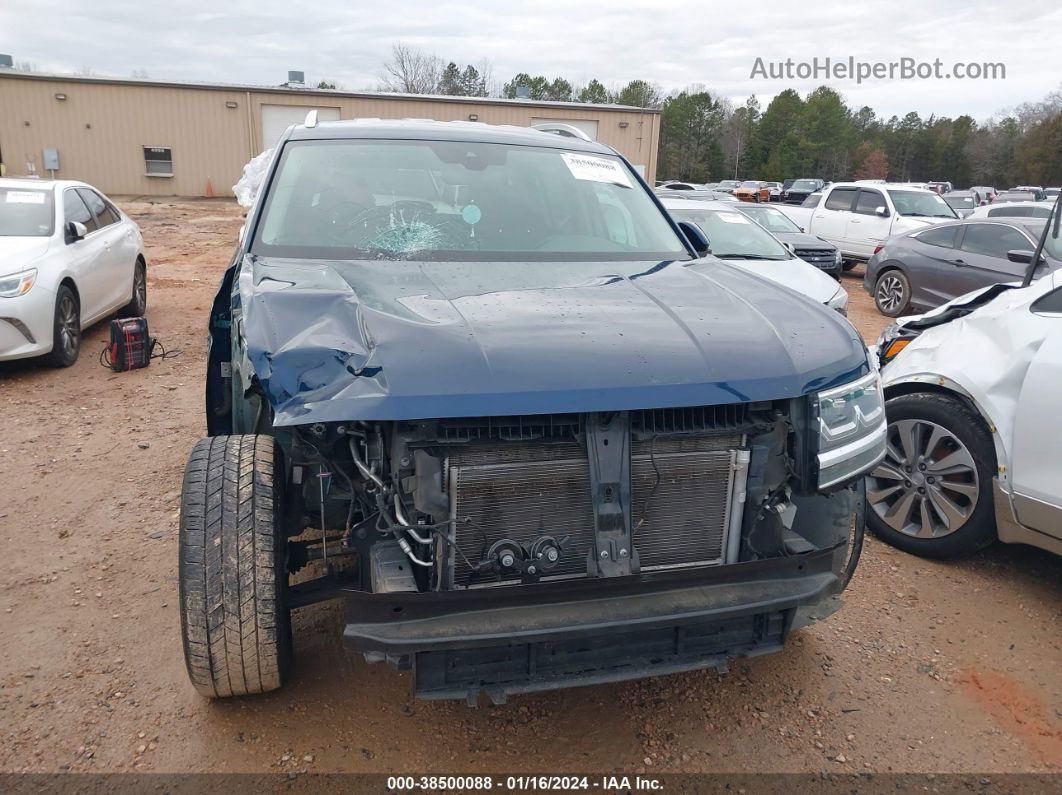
x,y
530,432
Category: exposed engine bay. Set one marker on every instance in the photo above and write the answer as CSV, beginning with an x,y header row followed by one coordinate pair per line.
x,y
451,504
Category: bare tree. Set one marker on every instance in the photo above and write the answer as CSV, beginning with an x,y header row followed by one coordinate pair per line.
x,y
486,77
25,66
412,71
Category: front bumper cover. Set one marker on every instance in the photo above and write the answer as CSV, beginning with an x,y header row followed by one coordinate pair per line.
x,y
513,639
26,323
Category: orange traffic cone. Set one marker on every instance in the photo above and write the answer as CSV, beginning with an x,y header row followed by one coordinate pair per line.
x,y
209,189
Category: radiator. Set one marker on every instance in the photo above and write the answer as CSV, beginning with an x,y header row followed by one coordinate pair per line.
x,y
525,490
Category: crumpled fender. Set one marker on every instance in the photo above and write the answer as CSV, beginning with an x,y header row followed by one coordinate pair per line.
x,y
983,356
306,345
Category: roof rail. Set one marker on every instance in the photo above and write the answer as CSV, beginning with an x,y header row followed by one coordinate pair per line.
x,y
311,119
567,130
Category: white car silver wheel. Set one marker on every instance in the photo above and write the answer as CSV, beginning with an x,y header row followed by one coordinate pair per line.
x,y
927,486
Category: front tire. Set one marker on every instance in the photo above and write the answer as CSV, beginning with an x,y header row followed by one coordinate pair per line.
x,y
137,306
66,329
892,293
932,495
232,577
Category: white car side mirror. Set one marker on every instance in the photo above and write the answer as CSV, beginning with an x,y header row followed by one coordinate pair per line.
x,y
75,231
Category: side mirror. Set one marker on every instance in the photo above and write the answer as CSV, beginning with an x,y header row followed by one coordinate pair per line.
x,y
882,211
788,246
1023,257
802,229
696,238
75,231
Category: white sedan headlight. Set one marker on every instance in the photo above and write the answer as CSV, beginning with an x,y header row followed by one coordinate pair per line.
x,y
17,283
839,301
837,257
851,423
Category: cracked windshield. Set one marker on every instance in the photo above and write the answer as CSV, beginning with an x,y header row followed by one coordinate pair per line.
x,y
455,200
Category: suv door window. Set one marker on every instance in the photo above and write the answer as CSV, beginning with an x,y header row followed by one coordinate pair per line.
x,y
941,236
74,209
993,240
98,207
841,199
868,201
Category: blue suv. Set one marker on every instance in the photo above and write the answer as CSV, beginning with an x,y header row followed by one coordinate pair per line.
x,y
475,382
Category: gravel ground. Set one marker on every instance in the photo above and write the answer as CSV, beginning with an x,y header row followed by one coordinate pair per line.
x,y
929,667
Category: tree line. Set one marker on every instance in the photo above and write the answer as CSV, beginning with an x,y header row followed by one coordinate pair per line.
x,y
705,137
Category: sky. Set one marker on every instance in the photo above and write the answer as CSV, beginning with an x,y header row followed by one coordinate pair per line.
x,y
673,43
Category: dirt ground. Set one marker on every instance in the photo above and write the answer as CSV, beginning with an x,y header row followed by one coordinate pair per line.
x,y
929,667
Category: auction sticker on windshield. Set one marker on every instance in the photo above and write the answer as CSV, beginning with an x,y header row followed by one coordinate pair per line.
x,y
596,169
25,197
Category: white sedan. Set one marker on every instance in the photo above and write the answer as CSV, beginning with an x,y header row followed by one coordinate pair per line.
x,y
68,257
1013,210
742,242
974,429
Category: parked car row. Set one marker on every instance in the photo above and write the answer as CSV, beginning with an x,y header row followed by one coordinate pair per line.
x,y
747,190
68,258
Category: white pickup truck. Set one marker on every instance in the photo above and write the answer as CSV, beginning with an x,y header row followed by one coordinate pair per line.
x,y
859,217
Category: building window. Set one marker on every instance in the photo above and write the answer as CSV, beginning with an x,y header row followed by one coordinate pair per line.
x,y
158,161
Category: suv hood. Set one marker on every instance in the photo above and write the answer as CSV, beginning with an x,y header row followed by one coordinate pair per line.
x,y
332,341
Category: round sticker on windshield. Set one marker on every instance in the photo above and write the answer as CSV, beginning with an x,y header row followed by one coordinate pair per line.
x,y
471,214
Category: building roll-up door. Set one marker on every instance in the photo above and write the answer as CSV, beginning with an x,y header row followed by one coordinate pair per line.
x,y
277,118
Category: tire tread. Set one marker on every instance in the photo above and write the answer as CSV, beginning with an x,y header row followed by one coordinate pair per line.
x,y
235,630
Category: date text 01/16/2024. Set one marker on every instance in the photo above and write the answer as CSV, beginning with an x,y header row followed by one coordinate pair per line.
x,y
524,783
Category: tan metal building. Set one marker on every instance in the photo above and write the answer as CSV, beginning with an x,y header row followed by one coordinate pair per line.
x,y
161,138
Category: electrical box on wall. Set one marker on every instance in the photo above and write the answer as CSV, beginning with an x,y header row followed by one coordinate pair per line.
x,y
51,159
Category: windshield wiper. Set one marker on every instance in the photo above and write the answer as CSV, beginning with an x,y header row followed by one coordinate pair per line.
x,y
745,256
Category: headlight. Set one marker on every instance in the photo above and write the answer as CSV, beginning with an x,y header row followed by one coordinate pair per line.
x,y
893,340
839,301
851,422
17,283
837,257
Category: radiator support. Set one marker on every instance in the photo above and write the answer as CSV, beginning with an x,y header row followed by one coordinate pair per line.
x,y
680,496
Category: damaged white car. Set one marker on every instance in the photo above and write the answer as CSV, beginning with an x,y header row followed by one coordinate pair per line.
x,y
974,430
